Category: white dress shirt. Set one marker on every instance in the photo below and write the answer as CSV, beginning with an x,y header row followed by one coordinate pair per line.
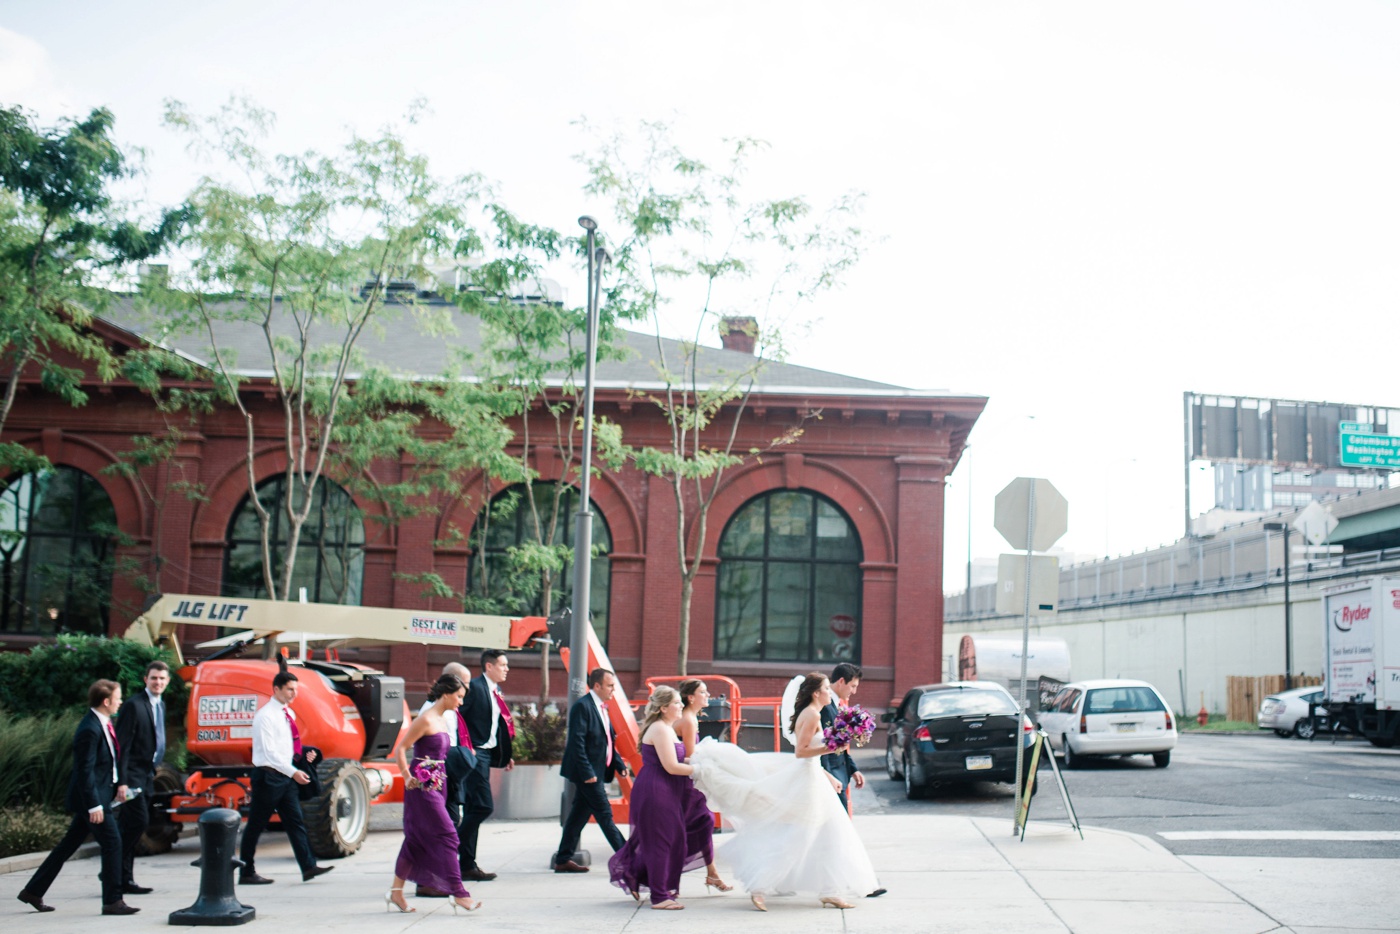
x,y
272,738
493,691
449,720
105,722
603,715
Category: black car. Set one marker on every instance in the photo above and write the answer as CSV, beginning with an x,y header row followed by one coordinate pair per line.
x,y
962,731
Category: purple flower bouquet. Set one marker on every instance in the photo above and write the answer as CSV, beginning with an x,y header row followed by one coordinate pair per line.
x,y
430,774
852,727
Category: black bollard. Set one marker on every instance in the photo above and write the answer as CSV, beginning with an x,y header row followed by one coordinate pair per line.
x,y
216,905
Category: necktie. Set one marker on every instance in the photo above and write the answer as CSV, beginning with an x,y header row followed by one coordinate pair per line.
x,y
116,746
505,712
296,734
463,737
158,714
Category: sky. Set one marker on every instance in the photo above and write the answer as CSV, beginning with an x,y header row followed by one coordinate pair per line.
x,y
1078,210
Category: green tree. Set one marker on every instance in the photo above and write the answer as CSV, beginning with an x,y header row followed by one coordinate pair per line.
x,y
63,240
696,247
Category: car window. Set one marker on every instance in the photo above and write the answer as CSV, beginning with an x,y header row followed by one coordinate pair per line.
x,y
1071,701
1122,700
1058,701
964,703
906,709
1312,698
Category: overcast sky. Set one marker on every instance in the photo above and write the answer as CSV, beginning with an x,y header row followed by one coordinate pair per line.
x,y
1083,210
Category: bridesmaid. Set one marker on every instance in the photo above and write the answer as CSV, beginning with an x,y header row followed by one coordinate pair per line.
x,y
699,820
660,846
429,852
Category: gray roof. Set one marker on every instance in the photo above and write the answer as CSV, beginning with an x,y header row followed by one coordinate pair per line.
x,y
402,348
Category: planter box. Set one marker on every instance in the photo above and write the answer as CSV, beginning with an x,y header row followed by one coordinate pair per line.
x,y
527,792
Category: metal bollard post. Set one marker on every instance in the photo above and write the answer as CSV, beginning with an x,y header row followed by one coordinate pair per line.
x,y
216,905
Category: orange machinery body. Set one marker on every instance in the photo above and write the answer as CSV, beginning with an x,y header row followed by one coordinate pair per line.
x,y
225,695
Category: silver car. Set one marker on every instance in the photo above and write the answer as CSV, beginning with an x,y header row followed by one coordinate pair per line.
x,y
1286,713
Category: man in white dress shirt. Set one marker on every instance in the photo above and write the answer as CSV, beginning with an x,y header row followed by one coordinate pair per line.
x,y
275,740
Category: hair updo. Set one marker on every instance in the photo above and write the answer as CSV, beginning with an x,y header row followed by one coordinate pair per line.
x,y
447,684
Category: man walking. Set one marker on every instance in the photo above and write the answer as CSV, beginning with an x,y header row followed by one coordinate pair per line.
x,y
93,789
590,761
141,738
490,729
276,740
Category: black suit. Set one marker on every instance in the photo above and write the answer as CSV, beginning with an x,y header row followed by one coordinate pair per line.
x,y
90,786
136,734
586,757
479,711
840,764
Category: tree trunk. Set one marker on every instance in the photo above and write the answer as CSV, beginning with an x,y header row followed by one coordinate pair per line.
x,y
683,652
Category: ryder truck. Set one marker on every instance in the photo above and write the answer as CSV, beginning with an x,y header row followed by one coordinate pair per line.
x,y
1362,645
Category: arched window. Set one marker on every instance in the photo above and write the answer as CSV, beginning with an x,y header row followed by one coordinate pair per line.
x,y
56,545
789,582
330,553
501,585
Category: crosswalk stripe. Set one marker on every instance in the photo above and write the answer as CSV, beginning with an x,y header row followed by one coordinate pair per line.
x,y
1356,836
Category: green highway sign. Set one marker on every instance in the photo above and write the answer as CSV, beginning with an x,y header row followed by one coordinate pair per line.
x,y
1361,449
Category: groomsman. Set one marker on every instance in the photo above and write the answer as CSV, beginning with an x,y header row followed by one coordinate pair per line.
x,y
276,740
590,761
93,789
461,759
141,736
491,730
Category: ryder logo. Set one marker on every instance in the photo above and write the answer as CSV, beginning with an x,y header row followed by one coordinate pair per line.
x,y
1349,616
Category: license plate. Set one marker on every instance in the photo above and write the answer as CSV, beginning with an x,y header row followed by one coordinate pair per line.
x,y
978,762
1127,728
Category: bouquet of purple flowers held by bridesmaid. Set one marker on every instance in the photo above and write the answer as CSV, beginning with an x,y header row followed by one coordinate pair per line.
x,y
430,774
853,726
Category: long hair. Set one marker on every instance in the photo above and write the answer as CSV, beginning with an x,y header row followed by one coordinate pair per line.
x,y
447,684
687,690
810,686
660,699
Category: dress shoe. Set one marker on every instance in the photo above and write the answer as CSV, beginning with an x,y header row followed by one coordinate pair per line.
x,y
315,871
131,888
477,875
424,891
119,908
569,865
252,878
34,901
877,893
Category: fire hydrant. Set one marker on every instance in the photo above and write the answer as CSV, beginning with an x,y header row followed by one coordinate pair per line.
x,y
1204,716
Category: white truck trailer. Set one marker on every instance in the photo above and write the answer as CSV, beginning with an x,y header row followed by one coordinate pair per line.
x,y
1362,640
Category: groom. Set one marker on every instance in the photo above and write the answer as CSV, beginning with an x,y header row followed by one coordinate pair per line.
x,y
845,680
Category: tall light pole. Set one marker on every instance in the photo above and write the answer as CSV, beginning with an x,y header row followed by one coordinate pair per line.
x,y
1287,605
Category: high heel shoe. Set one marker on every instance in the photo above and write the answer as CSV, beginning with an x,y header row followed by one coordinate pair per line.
x,y
457,903
717,882
758,902
669,905
390,903
830,901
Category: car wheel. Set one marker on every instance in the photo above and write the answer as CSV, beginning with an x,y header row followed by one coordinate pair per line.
x,y
911,791
891,768
1162,759
1305,729
1072,761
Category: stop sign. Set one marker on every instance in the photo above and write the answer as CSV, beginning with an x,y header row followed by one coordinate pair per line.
x,y
1013,513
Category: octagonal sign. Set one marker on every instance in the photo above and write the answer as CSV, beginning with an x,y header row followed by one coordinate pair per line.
x,y
1013,513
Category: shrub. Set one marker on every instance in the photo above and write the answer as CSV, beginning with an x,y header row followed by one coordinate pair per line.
x,y
36,758
539,734
30,830
56,677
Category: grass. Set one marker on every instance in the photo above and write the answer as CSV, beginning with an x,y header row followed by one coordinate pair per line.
x,y
1216,723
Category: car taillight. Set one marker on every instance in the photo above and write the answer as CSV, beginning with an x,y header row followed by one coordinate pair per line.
x,y
1026,725
1083,723
1167,715
922,735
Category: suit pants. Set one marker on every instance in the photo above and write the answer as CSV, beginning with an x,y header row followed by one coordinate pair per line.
x,y
133,818
273,791
590,799
478,807
108,837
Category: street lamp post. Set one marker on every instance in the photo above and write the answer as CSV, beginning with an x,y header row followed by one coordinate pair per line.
x,y
1287,605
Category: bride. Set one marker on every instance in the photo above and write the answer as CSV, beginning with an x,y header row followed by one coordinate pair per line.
x,y
793,836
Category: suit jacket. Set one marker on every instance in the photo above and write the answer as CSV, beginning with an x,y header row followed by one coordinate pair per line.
x,y
136,734
839,764
478,710
91,783
586,750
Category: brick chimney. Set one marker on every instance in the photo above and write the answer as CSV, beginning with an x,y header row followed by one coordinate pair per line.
x,y
739,333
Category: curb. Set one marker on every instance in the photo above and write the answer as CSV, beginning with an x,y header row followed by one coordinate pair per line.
x,y
24,861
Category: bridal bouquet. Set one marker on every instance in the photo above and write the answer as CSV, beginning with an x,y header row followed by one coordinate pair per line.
x,y
852,727
430,773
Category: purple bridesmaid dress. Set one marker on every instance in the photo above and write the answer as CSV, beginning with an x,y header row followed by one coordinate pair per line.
x,y
429,852
666,839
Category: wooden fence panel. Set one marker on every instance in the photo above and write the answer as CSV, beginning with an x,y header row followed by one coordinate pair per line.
x,y
1244,693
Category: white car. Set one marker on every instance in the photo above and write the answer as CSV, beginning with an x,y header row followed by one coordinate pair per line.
x,y
1286,713
1111,717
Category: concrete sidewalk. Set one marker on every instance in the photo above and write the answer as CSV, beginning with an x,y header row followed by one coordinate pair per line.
x,y
944,874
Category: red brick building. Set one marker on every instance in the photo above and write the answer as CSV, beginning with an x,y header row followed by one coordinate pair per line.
x,y
829,549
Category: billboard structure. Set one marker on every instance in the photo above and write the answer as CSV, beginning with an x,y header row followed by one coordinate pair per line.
x,y
1289,434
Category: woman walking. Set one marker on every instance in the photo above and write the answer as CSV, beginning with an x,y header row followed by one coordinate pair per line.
x,y
699,819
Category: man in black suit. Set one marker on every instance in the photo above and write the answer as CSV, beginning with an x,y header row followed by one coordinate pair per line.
x,y
92,790
491,730
141,736
845,680
590,761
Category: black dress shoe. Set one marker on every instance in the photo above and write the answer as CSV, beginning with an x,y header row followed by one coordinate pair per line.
x,y
877,893
477,875
424,891
252,878
119,908
34,901
315,871
131,888
569,865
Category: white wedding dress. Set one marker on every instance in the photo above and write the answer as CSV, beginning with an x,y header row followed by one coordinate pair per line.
x,y
792,833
